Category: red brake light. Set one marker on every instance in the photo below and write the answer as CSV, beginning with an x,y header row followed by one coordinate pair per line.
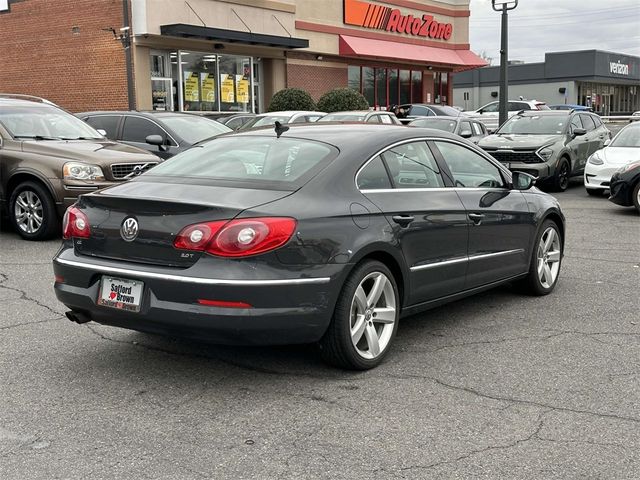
x,y
75,224
237,238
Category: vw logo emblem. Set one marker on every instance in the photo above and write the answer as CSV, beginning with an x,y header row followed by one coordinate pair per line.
x,y
129,229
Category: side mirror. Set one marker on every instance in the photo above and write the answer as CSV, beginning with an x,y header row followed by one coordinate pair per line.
x,y
577,132
522,181
606,142
102,132
466,134
157,140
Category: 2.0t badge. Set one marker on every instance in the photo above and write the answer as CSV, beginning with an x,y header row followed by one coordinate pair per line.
x,y
129,229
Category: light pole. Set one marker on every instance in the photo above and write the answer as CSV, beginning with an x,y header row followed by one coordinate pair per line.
x,y
504,6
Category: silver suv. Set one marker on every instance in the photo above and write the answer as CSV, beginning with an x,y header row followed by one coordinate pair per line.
x,y
551,145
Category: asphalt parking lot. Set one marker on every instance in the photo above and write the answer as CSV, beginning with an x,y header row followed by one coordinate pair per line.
x,y
497,386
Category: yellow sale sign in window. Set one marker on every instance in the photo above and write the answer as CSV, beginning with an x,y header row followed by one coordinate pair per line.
x,y
191,92
208,87
227,88
243,89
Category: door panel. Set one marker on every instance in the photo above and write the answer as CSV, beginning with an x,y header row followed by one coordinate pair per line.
x,y
500,224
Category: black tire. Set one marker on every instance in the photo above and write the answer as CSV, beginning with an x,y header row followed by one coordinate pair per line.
x,y
595,192
560,181
336,346
636,197
50,223
532,283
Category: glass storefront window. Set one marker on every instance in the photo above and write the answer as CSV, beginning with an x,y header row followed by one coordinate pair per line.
x,y
188,81
381,88
416,87
354,78
405,86
368,85
393,86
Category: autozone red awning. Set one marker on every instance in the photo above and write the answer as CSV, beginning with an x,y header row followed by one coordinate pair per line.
x,y
383,49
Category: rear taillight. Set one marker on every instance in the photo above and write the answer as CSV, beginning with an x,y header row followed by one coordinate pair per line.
x,y
237,238
75,224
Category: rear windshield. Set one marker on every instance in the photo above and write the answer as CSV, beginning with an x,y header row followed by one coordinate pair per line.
x,y
439,124
268,120
337,117
284,162
535,125
195,129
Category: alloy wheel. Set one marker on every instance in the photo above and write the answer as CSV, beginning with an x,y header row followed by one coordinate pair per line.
x,y
373,315
563,176
548,257
28,212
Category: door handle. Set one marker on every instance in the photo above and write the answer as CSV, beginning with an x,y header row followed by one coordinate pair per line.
x,y
402,220
476,218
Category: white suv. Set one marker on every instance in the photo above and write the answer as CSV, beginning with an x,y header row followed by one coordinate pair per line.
x,y
489,113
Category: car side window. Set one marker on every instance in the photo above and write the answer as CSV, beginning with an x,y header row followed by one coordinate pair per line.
x,y
374,176
477,128
137,129
465,126
386,119
108,123
468,168
588,122
412,165
419,110
597,121
374,119
576,122
234,123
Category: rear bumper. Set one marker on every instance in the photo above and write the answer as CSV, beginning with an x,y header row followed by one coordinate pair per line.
x,y
284,310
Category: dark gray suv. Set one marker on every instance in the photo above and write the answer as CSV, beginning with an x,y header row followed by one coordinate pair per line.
x,y
552,145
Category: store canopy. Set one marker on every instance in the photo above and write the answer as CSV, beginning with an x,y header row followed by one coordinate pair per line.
x,y
459,60
231,36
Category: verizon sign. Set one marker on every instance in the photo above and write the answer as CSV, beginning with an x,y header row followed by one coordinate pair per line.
x,y
619,68
4,5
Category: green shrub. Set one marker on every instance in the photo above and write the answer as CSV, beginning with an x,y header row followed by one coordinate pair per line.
x,y
291,99
342,100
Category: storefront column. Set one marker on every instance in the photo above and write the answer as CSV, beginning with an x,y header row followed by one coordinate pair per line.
x,y
275,77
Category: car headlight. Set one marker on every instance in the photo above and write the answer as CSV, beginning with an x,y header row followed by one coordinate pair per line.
x,y
596,159
82,171
545,153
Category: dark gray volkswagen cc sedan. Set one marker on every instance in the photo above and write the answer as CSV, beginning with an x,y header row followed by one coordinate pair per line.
x,y
313,233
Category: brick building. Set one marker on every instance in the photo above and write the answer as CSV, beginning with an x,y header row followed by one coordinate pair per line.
x,y
230,55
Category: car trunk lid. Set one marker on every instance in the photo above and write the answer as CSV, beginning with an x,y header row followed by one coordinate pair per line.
x,y
160,211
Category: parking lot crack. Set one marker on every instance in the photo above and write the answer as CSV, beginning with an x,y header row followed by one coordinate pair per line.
x,y
16,325
23,295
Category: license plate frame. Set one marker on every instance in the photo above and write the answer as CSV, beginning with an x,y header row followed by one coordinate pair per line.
x,y
126,296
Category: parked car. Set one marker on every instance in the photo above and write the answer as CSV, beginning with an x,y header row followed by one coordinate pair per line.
x,y
164,133
232,120
551,145
314,233
472,130
48,157
489,113
297,116
408,112
625,186
569,106
602,164
365,116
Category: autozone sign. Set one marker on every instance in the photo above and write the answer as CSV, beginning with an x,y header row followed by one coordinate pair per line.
x,y
379,17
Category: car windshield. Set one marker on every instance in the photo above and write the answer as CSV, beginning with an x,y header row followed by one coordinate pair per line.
x,y
195,129
438,124
250,159
45,123
627,137
535,125
337,117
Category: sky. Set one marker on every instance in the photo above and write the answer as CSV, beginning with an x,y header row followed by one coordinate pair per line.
x,y
540,26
